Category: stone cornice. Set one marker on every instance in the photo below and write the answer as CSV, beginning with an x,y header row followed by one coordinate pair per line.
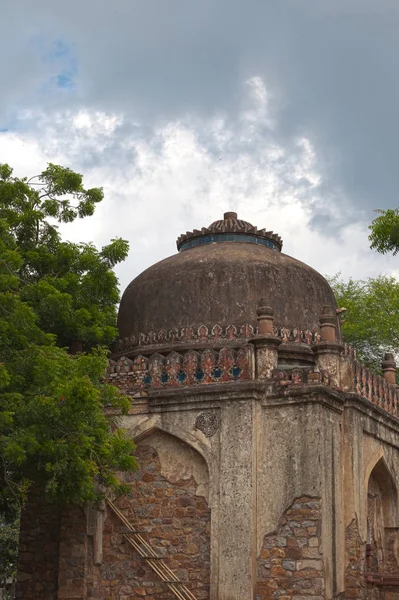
x,y
202,337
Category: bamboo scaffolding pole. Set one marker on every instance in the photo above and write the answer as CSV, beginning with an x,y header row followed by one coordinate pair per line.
x,y
155,562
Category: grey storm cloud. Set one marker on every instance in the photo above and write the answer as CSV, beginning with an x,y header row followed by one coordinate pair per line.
x,y
331,67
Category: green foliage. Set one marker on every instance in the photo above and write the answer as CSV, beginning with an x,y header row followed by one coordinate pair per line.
x,y
384,236
371,322
58,418
9,532
71,287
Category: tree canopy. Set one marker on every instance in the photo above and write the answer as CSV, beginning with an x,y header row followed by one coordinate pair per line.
x,y
371,322
58,418
384,236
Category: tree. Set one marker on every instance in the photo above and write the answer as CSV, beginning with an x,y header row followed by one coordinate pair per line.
x,y
384,236
371,322
9,533
58,418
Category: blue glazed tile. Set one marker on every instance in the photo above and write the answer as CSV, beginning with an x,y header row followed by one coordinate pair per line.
x,y
199,375
228,237
181,377
217,373
236,372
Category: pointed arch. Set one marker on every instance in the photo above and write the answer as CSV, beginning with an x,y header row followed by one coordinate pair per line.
x,y
168,503
382,479
144,425
381,500
178,461
147,426
379,472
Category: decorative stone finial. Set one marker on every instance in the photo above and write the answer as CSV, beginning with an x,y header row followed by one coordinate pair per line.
x,y
389,367
229,229
328,324
266,343
265,318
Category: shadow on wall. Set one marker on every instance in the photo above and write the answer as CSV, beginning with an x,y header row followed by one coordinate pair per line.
x,y
382,549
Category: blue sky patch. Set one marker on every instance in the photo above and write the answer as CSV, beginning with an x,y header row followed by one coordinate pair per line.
x,y
60,59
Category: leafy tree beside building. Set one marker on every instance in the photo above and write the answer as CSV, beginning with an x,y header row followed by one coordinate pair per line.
x,y
57,315
384,236
371,320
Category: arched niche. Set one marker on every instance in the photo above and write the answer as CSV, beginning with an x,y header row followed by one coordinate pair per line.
x,y
167,503
178,460
154,423
382,517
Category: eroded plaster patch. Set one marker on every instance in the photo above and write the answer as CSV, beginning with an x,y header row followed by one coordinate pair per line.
x,y
179,461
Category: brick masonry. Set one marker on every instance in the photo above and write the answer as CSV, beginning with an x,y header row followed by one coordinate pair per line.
x,y
357,562
290,564
38,550
173,519
355,555
73,555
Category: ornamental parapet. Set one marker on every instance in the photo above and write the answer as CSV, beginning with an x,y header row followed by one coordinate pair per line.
x,y
376,388
180,369
350,376
280,357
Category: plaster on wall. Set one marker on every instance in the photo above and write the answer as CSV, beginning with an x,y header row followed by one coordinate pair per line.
x,y
179,461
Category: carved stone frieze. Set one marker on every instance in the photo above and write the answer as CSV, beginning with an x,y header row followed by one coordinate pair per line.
x,y
193,336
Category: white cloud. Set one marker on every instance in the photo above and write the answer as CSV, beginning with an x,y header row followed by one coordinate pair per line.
x,y
184,174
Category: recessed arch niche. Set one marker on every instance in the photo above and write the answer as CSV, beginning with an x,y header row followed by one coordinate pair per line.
x,y
168,504
382,519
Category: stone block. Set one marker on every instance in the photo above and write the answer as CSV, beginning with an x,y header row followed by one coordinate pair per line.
x,y
310,553
309,564
289,565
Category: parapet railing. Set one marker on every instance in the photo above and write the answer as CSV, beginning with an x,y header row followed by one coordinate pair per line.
x,y
352,377
179,369
226,354
378,389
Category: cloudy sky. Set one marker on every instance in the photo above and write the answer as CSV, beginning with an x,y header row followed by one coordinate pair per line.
x,y
283,110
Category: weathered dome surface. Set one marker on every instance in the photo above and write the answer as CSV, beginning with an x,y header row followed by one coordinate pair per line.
x,y
221,284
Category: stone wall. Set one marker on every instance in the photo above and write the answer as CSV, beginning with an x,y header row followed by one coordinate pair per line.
x,y
167,505
358,562
72,567
290,565
355,556
38,550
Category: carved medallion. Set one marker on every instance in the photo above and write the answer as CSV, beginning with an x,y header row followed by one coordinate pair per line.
x,y
208,423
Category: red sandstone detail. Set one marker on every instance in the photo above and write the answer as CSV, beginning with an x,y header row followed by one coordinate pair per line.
x,y
179,369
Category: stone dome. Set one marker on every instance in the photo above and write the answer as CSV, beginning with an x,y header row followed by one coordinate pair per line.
x,y
218,278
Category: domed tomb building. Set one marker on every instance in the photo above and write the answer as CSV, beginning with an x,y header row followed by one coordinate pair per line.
x,y
269,456
217,279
